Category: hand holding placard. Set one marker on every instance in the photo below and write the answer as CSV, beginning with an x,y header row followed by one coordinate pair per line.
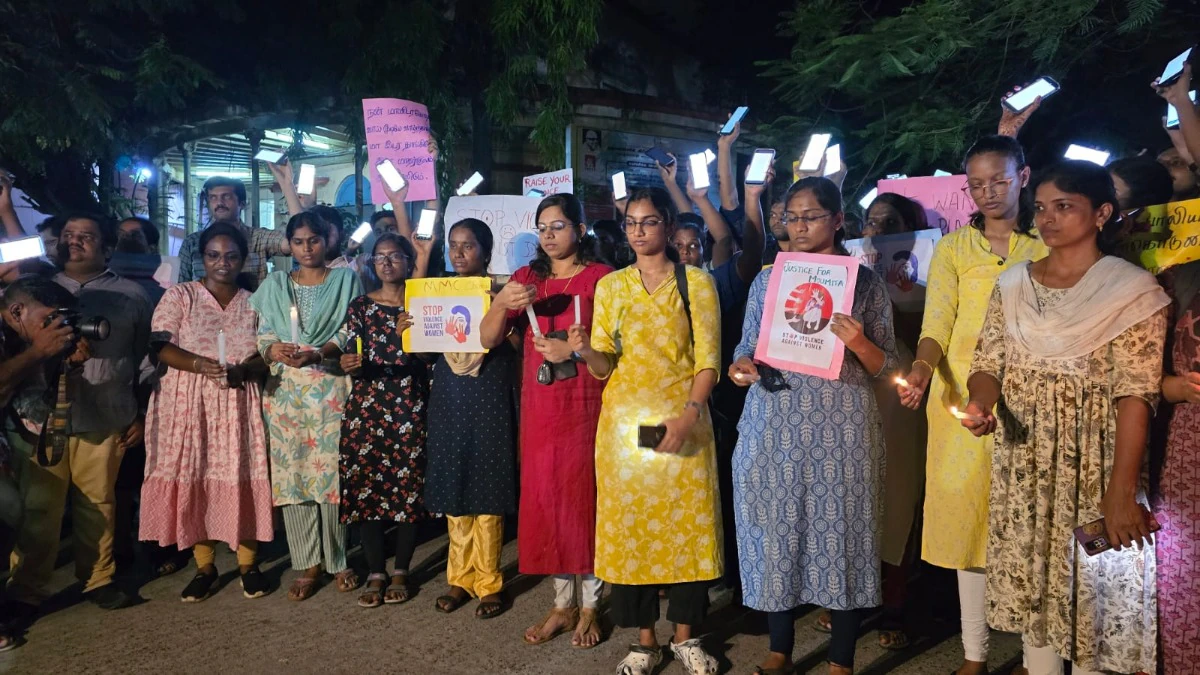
x,y
398,130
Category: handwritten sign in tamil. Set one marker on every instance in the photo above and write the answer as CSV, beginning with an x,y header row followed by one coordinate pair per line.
x,y
552,183
947,207
512,221
446,314
398,130
804,291
1164,236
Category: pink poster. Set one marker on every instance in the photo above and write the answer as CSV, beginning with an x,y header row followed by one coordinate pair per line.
x,y
398,130
946,205
804,292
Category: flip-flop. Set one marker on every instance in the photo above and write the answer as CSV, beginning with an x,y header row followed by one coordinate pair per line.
x,y
448,603
823,622
346,580
489,610
895,638
302,589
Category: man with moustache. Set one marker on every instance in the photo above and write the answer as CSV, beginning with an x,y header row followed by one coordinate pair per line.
x,y
226,197
106,419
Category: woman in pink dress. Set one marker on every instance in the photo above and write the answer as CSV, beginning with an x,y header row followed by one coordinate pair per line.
x,y
206,466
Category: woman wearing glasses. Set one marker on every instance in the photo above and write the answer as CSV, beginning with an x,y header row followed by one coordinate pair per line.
x,y
808,468
382,465
658,521
962,274
560,405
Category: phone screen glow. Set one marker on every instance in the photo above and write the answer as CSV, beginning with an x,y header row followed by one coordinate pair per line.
x,y
270,156
1087,154
389,174
814,153
361,233
833,160
618,182
22,249
425,225
699,170
308,179
1025,98
757,173
1175,66
737,117
469,186
1173,112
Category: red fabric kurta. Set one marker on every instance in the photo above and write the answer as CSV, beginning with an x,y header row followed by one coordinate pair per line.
x,y
556,531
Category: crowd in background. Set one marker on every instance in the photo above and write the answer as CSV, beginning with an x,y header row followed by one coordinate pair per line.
x,y
1032,396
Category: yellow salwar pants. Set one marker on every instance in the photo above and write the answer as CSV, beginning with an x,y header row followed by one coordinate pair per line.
x,y
473,562
206,552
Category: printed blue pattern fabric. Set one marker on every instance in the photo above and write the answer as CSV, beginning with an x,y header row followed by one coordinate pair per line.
x,y
808,473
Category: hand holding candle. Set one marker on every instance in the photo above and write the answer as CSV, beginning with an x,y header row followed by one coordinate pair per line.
x,y
221,348
965,416
976,420
295,320
533,324
578,314
358,345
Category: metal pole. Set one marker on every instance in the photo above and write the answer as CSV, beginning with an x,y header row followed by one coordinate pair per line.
x,y
189,202
567,149
359,164
255,137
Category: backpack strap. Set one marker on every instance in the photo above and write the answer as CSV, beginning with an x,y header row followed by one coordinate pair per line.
x,y
682,284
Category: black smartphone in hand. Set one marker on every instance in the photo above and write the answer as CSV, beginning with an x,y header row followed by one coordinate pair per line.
x,y
651,437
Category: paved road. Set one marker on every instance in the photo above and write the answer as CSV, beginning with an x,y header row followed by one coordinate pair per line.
x,y
331,634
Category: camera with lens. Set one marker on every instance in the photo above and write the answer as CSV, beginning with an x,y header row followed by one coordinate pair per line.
x,y
95,328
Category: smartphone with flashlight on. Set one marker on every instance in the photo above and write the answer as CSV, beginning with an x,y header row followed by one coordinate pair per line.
x,y
361,233
760,163
833,160
22,249
270,156
1173,113
389,174
308,179
468,187
1043,87
426,223
699,167
618,182
1087,154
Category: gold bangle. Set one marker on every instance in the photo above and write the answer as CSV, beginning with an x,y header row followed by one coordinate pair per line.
x,y
928,365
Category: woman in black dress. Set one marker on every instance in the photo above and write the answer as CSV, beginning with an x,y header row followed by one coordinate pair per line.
x,y
472,447
382,464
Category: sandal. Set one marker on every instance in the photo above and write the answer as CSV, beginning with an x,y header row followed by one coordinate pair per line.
x,y
398,592
589,624
200,586
372,596
489,609
823,623
451,601
570,617
894,639
174,562
8,641
302,589
346,580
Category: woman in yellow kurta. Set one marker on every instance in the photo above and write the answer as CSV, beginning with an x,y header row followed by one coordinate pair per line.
x,y
962,274
658,519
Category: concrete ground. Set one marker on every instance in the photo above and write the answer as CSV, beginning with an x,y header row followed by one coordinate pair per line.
x,y
330,634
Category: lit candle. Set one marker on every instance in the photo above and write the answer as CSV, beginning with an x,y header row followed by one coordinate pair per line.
x,y
578,314
295,326
964,416
358,345
221,347
901,381
537,332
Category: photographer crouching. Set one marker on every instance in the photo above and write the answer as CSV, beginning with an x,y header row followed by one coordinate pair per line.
x,y
89,423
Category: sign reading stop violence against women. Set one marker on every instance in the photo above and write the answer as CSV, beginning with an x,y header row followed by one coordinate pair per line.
x,y
446,314
804,291
947,207
399,130
553,183
512,221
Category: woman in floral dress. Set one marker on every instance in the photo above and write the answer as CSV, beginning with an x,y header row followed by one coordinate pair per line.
x,y
1070,359
382,467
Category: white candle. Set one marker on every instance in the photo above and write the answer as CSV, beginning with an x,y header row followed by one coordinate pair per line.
x,y
578,316
295,326
221,347
902,382
964,416
533,321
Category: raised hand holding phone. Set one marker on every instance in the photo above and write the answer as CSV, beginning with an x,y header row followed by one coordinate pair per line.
x,y
1018,105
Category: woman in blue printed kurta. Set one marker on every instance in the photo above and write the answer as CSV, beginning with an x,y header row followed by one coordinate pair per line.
x,y
808,467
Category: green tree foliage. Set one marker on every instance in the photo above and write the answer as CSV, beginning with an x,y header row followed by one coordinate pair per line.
x,y
914,87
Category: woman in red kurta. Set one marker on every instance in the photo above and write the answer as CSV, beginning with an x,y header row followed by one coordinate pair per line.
x,y
560,405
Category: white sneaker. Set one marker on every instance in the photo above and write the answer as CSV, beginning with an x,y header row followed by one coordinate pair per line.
x,y
640,661
692,657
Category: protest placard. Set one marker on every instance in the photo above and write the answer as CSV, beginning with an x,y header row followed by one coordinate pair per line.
x,y
1164,236
446,313
552,183
398,130
947,207
512,221
804,291
902,260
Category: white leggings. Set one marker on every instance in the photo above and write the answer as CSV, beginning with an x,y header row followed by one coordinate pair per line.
x,y
1045,661
972,598
564,590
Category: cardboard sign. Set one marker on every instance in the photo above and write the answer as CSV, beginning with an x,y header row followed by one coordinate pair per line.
x,y
903,262
1164,236
947,207
553,183
512,221
446,312
804,292
399,130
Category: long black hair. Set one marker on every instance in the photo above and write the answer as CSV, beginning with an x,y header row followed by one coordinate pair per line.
x,y
585,248
661,201
1010,148
315,223
1149,182
829,196
912,214
483,235
1078,177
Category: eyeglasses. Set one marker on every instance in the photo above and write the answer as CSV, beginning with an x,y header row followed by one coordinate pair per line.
x,y
394,258
555,227
789,218
645,224
998,188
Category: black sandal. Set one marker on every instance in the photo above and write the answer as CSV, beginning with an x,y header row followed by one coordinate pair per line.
x,y
449,603
489,609
200,587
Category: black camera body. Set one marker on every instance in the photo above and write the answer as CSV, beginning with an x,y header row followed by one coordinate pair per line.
x,y
95,328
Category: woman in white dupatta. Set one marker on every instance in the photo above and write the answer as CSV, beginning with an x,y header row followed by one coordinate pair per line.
x,y
1066,372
